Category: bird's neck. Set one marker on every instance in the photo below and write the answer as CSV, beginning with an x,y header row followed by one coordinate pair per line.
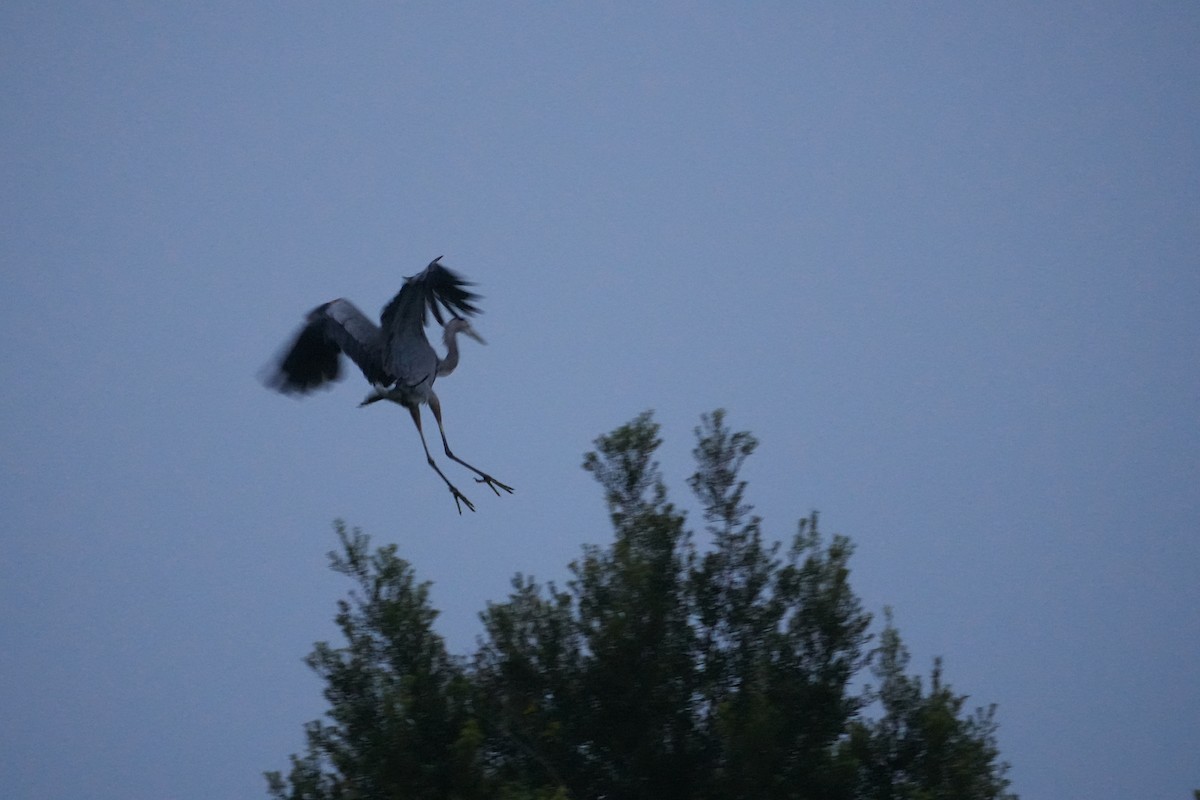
x,y
450,362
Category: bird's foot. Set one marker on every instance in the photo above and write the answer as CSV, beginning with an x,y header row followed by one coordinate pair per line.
x,y
492,483
460,499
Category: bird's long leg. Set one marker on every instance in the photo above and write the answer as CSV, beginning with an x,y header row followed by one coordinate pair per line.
x,y
435,406
415,410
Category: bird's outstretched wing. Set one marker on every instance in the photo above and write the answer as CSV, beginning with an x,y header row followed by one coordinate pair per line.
x,y
314,360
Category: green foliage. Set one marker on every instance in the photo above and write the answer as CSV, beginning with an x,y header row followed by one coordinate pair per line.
x,y
662,670
922,748
399,717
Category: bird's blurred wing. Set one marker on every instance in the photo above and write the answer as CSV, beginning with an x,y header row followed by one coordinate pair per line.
x,y
313,358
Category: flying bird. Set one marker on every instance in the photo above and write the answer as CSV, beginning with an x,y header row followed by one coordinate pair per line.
x,y
394,356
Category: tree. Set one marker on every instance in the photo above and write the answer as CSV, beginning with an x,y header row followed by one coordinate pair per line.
x,y
615,721
922,748
399,717
780,638
662,670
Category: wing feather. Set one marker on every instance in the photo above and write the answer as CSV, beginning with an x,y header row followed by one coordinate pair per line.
x,y
427,289
406,352
313,360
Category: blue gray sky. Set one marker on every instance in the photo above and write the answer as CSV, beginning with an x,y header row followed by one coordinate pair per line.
x,y
941,259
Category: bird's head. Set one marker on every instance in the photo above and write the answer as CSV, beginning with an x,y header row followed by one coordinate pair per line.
x,y
460,325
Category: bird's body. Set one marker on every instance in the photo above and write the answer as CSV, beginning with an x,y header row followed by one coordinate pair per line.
x,y
395,356
423,367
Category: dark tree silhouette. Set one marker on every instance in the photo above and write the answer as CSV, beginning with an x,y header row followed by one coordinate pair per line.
x,y
663,669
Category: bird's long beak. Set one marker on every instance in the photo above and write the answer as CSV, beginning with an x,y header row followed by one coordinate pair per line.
x,y
471,332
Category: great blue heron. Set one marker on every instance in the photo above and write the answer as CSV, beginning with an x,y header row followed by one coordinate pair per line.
x,y
396,358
